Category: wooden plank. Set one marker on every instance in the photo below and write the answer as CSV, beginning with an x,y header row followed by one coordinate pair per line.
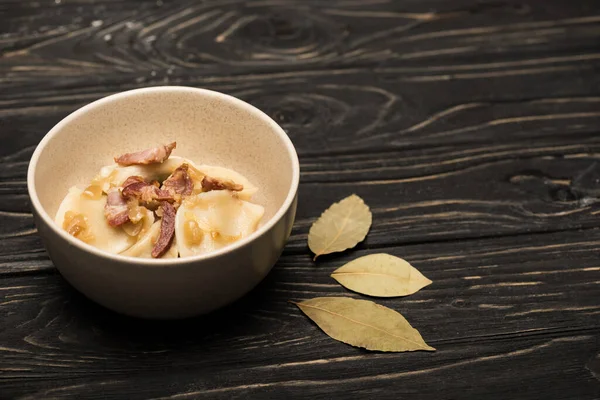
x,y
466,372
157,40
352,111
430,171
496,306
421,195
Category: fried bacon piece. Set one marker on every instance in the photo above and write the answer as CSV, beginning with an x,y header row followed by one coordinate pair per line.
x,y
209,184
179,182
155,155
133,179
167,230
138,179
116,211
147,193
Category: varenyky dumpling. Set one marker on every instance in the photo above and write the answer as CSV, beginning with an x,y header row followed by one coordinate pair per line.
x,y
83,217
211,220
227,174
143,247
115,175
149,204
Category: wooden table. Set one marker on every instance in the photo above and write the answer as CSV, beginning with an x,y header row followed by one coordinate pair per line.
x,y
472,129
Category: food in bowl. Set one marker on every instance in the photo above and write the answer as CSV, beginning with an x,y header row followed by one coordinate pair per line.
x,y
148,204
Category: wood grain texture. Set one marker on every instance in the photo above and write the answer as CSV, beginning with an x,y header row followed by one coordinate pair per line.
x,y
495,309
471,128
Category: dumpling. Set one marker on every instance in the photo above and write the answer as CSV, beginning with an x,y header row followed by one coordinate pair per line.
x,y
143,248
228,174
115,175
209,221
144,220
83,217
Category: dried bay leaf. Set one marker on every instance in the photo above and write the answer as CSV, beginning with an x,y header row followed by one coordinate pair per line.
x,y
340,227
381,275
363,324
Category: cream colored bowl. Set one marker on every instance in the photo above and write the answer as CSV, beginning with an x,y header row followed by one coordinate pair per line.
x,y
210,128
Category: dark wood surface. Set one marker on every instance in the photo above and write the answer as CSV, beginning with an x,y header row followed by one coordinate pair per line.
x,y
472,129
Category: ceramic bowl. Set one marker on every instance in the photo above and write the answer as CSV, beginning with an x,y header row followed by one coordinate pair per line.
x,y
210,128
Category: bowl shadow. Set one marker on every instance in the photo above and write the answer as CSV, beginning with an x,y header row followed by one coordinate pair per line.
x,y
215,329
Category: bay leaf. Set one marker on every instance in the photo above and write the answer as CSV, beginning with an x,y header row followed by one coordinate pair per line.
x,y
363,324
381,275
342,226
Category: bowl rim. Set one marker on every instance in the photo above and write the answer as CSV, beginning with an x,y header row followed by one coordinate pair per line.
x,y
281,211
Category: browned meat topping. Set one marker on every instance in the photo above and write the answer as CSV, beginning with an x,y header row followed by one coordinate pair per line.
x,y
209,184
116,211
127,203
133,179
167,230
148,194
155,155
179,182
